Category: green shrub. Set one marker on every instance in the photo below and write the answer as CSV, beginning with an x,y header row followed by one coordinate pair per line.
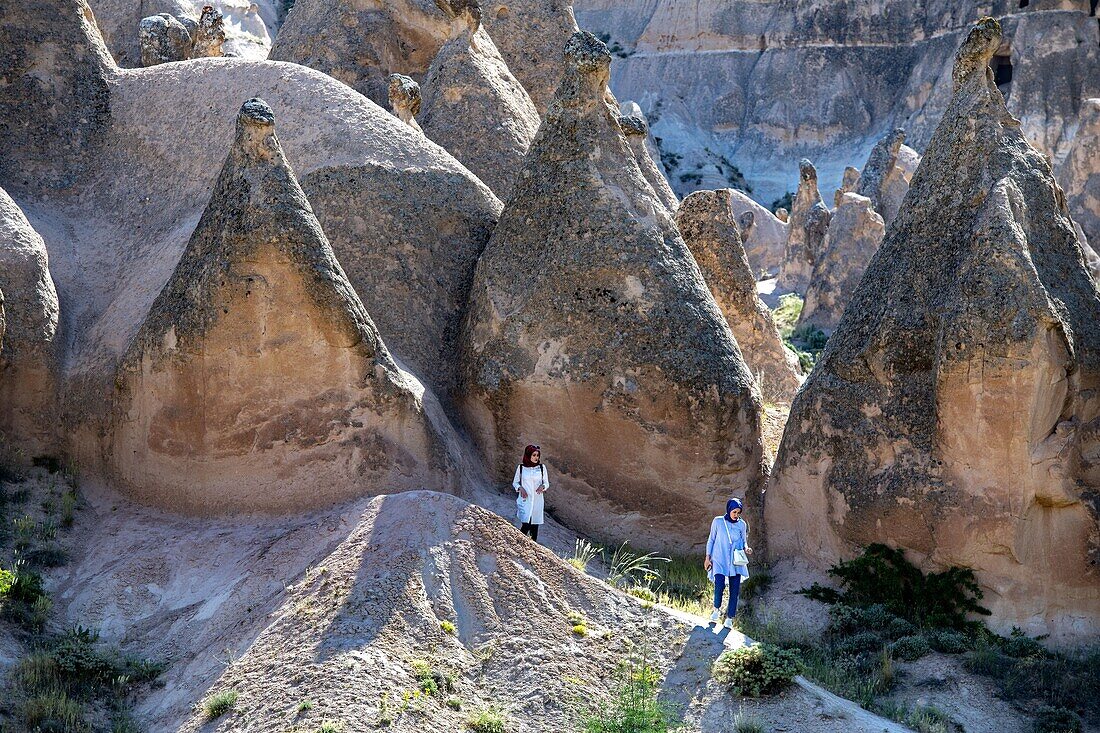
x,y
910,648
760,669
882,575
748,723
1019,645
432,681
219,704
487,720
948,641
634,706
448,627
1049,719
859,643
80,659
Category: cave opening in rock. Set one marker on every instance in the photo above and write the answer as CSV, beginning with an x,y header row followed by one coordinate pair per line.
x,y
1024,3
1002,72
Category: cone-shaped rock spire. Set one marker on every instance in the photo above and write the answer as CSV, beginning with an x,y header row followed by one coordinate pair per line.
x,y
809,221
28,363
592,332
473,106
636,130
705,219
954,411
258,380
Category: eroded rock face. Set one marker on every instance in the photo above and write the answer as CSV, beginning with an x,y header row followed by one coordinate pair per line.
x,y
258,380
847,183
809,221
530,35
954,412
883,180
591,332
474,107
209,35
636,130
28,358
705,219
163,39
361,43
405,99
1079,173
855,233
763,234
783,215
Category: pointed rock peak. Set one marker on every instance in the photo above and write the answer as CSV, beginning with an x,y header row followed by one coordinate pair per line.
x,y
632,125
256,127
807,173
706,210
405,99
587,70
467,13
847,184
976,51
878,172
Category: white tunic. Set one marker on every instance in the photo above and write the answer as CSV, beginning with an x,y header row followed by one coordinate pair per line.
x,y
530,479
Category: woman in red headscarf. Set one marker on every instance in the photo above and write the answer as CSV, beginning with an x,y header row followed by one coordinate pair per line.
x,y
530,482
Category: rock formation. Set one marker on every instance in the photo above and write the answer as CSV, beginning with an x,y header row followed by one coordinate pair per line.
x,y
882,179
636,130
95,157
855,233
360,43
28,358
163,40
592,332
847,183
806,230
875,66
405,99
473,106
782,214
954,411
763,235
530,35
209,35
258,380
1079,173
705,219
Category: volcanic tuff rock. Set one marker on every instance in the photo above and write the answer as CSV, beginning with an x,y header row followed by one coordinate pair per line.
x,y
530,35
847,183
1079,173
636,130
96,162
805,232
28,358
258,380
855,233
591,332
474,107
766,238
163,39
361,43
405,99
883,180
857,70
955,411
705,219
209,35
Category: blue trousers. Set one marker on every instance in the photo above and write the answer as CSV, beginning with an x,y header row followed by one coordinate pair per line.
x,y
735,590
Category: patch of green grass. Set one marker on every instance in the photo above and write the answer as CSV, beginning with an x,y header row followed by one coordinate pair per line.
x,y
431,681
448,627
305,705
331,726
921,718
454,703
487,720
219,704
580,629
53,711
747,723
584,552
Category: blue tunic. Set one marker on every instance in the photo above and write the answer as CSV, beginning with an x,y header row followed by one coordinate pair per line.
x,y
720,547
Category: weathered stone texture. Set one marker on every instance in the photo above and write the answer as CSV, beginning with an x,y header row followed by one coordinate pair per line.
x,y
809,221
258,381
475,108
954,412
1079,173
28,358
405,99
163,39
705,219
592,332
855,233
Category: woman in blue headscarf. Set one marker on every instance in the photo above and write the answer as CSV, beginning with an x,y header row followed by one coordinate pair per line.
x,y
727,558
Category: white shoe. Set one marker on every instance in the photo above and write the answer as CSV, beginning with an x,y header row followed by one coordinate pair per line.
x,y
729,623
714,616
